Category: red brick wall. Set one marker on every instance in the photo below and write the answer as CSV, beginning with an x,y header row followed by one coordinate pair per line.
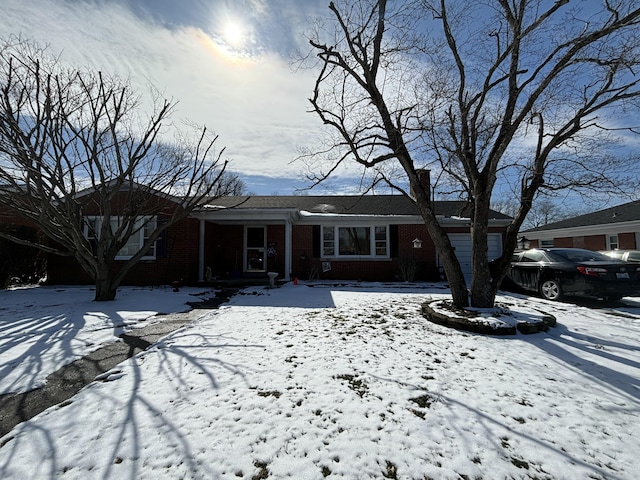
x,y
11,217
304,263
594,242
181,262
564,242
627,241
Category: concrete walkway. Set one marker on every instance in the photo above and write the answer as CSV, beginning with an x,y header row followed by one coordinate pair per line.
x,y
69,380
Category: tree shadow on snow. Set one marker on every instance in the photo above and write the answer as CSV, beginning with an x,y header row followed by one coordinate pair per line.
x,y
594,355
136,422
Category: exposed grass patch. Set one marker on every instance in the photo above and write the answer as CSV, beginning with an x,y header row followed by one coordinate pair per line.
x,y
263,471
354,383
423,401
392,471
520,463
269,393
417,413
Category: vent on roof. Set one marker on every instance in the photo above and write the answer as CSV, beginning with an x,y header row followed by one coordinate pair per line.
x,y
325,208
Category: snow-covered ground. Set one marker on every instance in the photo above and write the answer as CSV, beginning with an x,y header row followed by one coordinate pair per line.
x,y
44,328
350,381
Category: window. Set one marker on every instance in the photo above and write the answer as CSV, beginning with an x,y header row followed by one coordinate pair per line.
x,y
328,242
612,242
633,256
357,241
546,243
533,256
144,227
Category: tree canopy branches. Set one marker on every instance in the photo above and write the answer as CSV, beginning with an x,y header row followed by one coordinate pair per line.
x,y
522,93
73,144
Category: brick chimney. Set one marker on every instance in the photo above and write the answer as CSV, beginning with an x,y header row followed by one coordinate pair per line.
x,y
425,180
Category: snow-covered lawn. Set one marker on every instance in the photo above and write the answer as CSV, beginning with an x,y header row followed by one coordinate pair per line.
x,y
44,328
351,382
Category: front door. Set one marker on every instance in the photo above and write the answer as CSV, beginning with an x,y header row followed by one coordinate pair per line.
x,y
255,249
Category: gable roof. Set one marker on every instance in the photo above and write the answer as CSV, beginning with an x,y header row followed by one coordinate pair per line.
x,y
344,205
627,212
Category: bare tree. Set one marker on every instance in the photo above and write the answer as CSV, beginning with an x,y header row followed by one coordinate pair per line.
x,y
522,92
543,210
78,160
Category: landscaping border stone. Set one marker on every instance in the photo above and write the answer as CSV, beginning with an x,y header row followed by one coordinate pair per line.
x,y
468,324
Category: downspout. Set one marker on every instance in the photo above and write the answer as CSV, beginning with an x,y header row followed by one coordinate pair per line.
x,y
288,254
201,251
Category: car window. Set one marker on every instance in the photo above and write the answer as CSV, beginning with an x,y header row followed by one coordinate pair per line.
x,y
532,256
634,257
579,255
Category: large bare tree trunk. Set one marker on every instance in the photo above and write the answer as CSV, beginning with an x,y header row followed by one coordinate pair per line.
x,y
105,289
483,285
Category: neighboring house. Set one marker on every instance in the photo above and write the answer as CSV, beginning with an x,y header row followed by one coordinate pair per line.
x,y
362,237
608,229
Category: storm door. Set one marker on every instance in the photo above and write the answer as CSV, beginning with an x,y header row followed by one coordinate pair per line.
x,y
255,249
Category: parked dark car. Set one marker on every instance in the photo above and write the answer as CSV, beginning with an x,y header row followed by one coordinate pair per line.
x,y
556,272
624,255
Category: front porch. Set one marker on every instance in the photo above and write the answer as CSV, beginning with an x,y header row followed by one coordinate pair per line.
x,y
240,249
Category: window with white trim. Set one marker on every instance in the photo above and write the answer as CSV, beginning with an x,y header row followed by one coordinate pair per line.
x,y
356,241
546,243
144,227
612,242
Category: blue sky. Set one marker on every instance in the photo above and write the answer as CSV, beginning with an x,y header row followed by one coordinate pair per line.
x,y
226,63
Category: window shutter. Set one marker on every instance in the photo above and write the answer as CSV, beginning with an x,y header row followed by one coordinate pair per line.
x,y
316,232
393,240
161,242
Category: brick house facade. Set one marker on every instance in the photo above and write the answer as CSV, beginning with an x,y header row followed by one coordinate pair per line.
x,y
609,229
311,237
369,238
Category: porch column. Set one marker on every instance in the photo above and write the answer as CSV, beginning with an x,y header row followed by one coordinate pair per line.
x,y
287,249
201,251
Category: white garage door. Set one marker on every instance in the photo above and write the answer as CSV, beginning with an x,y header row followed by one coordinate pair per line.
x,y
462,244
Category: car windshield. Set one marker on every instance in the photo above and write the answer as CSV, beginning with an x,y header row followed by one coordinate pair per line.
x,y
578,255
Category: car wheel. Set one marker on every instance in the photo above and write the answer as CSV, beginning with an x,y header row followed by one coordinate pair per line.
x,y
551,289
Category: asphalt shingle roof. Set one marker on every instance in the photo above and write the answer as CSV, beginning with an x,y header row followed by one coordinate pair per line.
x,y
627,212
346,204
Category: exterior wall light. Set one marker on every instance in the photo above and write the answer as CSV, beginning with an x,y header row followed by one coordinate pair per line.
x,y
524,243
417,243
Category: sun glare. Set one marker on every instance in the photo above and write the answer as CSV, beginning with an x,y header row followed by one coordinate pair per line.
x,y
234,34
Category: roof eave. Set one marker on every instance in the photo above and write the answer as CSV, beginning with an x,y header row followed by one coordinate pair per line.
x,y
584,230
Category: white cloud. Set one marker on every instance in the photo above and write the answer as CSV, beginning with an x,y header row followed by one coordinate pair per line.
x,y
256,104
